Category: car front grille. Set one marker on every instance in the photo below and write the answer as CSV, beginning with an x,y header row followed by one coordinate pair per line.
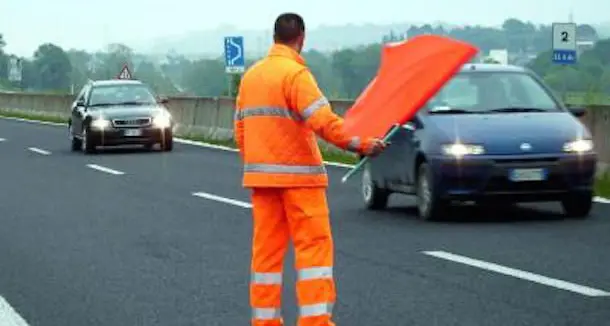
x,y
132,122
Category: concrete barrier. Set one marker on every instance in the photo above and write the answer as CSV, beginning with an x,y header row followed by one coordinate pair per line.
x,y
212,117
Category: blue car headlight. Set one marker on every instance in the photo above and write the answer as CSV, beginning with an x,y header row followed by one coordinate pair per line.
x,y
578,146
459,150
100,123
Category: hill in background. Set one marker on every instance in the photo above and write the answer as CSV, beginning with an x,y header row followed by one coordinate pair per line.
x,y
256,42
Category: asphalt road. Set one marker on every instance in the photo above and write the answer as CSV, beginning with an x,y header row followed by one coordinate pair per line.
x,y
118,238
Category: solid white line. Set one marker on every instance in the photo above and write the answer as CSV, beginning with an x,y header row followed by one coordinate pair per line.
x,y
231,149
584,290
601,200
35,121
223,199
39,151
105,169
8,315
2,139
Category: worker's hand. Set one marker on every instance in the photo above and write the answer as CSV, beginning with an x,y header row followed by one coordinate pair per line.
x,y
374,146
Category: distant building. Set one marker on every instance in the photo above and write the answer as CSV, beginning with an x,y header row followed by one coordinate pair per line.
x,y
499,55
582,46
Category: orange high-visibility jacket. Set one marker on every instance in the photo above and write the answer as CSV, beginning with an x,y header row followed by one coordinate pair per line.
x,y
279,111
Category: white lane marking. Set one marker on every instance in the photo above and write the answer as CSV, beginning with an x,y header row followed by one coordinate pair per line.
x,y
601,200
230,149
8,315
39,151
105,169
2,139
223,199
35,121
556,283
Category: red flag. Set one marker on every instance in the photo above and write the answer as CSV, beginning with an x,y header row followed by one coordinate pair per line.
x,y
410,73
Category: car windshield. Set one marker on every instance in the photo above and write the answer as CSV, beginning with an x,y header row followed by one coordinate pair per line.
x,y
121,94
490,92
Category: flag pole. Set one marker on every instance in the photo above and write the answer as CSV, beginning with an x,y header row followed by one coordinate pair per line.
x,y
363,161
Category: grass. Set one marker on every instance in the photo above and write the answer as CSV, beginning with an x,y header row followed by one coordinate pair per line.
x,y
602,185
587,99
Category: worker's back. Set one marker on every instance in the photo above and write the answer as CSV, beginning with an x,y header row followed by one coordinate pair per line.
x,y
278,147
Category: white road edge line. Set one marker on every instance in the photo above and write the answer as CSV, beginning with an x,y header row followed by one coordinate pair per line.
x,y
104,169
556,283
223,199
2,139
8,315
39,151
230,149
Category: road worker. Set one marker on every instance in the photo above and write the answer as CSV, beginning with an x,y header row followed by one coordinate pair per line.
x,y
279,112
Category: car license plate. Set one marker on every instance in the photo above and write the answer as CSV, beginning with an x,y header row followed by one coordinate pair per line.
x,y
518,175
132,132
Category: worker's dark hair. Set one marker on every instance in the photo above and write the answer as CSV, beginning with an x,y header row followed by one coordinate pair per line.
x,y
288,27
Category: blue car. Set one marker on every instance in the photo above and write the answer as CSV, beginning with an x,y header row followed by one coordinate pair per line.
x,y
494,135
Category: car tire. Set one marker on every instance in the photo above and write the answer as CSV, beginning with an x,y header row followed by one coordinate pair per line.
x,y
578,205
75,143
429,205
374,197
87,145
167,145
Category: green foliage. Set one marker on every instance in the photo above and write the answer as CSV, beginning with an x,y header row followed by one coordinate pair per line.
x,y
342,74
590,77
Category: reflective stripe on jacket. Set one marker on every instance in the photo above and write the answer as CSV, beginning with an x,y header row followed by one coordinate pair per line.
x,y
279,111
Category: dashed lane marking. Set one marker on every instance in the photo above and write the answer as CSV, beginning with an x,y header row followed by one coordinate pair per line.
x,y
556,283
8,315
39,151
225,200
600,200
105,169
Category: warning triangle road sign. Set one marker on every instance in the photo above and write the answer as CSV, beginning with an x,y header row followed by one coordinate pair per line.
x,y
125,73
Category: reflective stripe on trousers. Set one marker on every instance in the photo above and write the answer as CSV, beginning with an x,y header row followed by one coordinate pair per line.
x,y
266,313
310,274
268,111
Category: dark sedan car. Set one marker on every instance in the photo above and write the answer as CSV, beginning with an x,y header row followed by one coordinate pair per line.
x,y
119,112
494,134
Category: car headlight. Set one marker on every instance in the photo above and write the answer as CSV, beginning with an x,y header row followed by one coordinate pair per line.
x,y
578,146
162,121
459,150
100,123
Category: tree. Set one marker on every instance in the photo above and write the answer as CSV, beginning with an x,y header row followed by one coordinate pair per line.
x,y
53,67
343,73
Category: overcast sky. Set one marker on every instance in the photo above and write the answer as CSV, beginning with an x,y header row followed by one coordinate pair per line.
x,y
91,24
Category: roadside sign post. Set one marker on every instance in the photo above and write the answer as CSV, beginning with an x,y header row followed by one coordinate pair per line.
x,y
15,68
125,73
564,45
235,62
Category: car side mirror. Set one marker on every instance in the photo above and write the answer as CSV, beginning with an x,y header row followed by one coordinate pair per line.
x,y
163,100
578,112
80,102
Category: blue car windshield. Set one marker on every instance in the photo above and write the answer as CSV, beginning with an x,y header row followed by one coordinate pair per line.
x,y
489,92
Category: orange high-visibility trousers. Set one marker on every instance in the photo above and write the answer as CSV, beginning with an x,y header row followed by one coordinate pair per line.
x,y
302,214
